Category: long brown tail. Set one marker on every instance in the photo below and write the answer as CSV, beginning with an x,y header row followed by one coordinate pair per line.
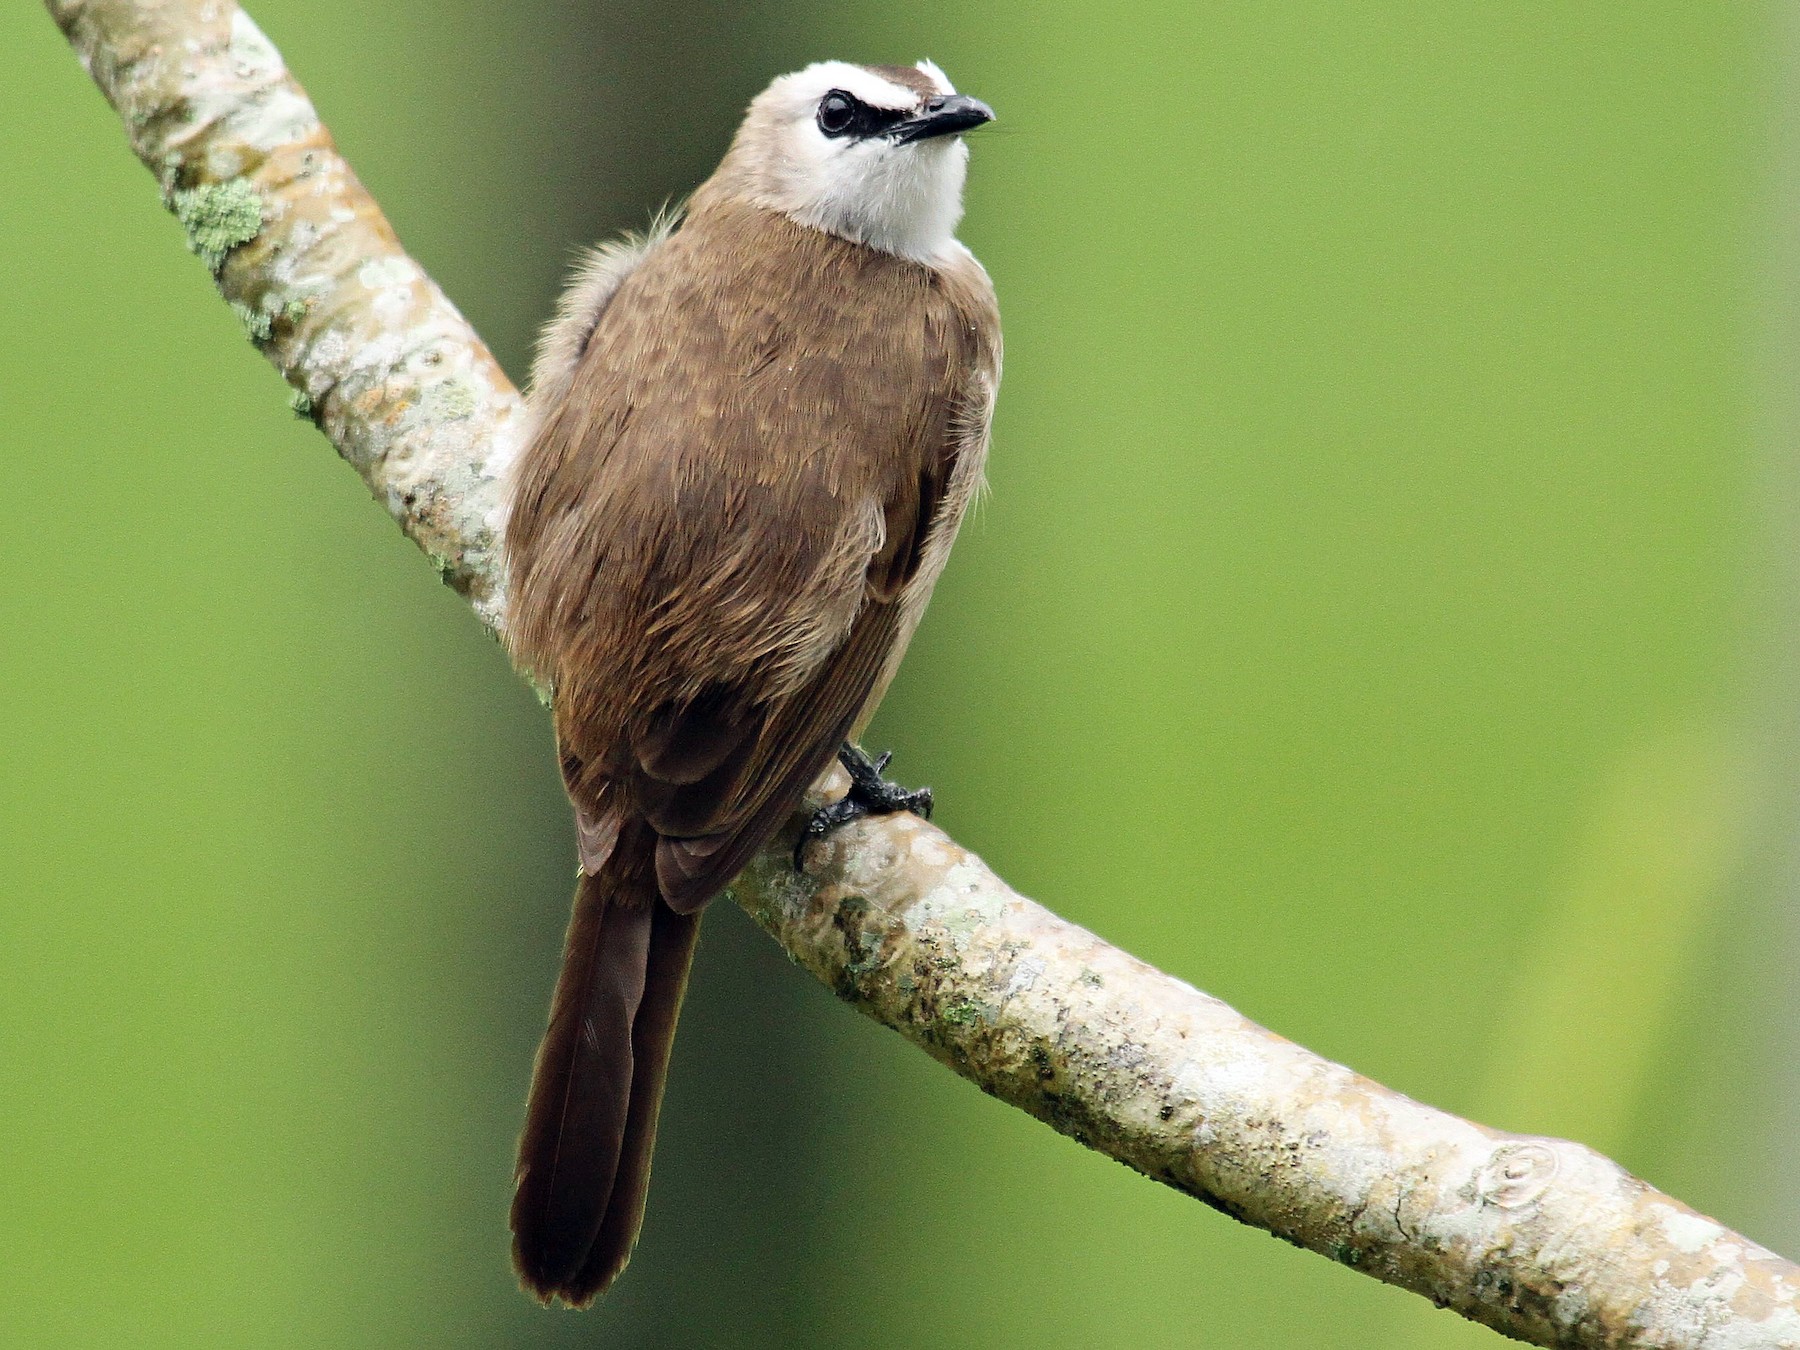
x,y
590,1126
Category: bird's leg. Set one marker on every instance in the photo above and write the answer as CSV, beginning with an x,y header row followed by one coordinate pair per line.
x,y
870,795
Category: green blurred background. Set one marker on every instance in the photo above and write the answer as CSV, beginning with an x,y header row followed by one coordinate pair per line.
x,y
1383,617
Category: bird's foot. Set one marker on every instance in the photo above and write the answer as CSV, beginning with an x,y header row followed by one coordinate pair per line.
x,y
873,794
870,795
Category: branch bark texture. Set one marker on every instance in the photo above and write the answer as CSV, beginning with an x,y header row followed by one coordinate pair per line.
x,y
1541,1239
370,347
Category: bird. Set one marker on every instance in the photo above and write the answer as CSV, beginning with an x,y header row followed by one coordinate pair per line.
x,y
754,431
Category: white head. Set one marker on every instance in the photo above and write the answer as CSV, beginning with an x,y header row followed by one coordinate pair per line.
x,y
871,153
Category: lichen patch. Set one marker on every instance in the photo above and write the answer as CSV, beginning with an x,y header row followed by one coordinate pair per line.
x,y
218,218
1687,1232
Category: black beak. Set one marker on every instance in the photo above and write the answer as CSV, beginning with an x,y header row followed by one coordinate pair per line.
x,y
944,115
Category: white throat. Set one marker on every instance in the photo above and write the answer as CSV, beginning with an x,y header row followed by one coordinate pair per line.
x,y
907,202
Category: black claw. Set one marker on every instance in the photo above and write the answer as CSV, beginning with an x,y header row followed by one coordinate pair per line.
x,y
873,793
870,795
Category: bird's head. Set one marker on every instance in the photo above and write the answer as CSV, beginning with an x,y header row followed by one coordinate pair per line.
x,y
871,153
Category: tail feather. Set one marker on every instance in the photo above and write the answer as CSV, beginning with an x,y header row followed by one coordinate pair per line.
x,y
584,1155
672,938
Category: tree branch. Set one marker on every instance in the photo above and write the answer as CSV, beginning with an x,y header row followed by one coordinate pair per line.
x,y
1541,1239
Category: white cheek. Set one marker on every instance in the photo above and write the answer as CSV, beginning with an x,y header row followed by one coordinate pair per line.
x,y
811,160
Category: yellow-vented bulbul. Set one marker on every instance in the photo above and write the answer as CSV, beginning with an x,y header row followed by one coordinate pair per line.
x,y
755,432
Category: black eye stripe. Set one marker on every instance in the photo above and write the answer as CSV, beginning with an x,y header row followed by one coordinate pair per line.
x,y
842,113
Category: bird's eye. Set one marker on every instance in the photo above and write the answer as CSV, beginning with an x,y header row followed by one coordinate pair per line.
x,y
837,111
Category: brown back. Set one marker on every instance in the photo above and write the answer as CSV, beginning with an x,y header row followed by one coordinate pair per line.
x,y
707,531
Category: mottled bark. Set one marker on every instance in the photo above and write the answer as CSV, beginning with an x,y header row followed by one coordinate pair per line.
x,y
1541,1239
372,350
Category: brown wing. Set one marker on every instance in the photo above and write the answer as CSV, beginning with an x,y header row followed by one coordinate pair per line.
x,y
716,775
711,828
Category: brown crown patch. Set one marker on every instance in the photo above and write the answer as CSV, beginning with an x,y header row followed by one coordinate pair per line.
x,y
907,77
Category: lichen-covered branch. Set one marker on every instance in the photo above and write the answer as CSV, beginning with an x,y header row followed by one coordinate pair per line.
x,y
372,350
1541,1239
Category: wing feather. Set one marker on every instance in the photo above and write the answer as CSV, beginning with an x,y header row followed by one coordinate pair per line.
x,y
729,824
